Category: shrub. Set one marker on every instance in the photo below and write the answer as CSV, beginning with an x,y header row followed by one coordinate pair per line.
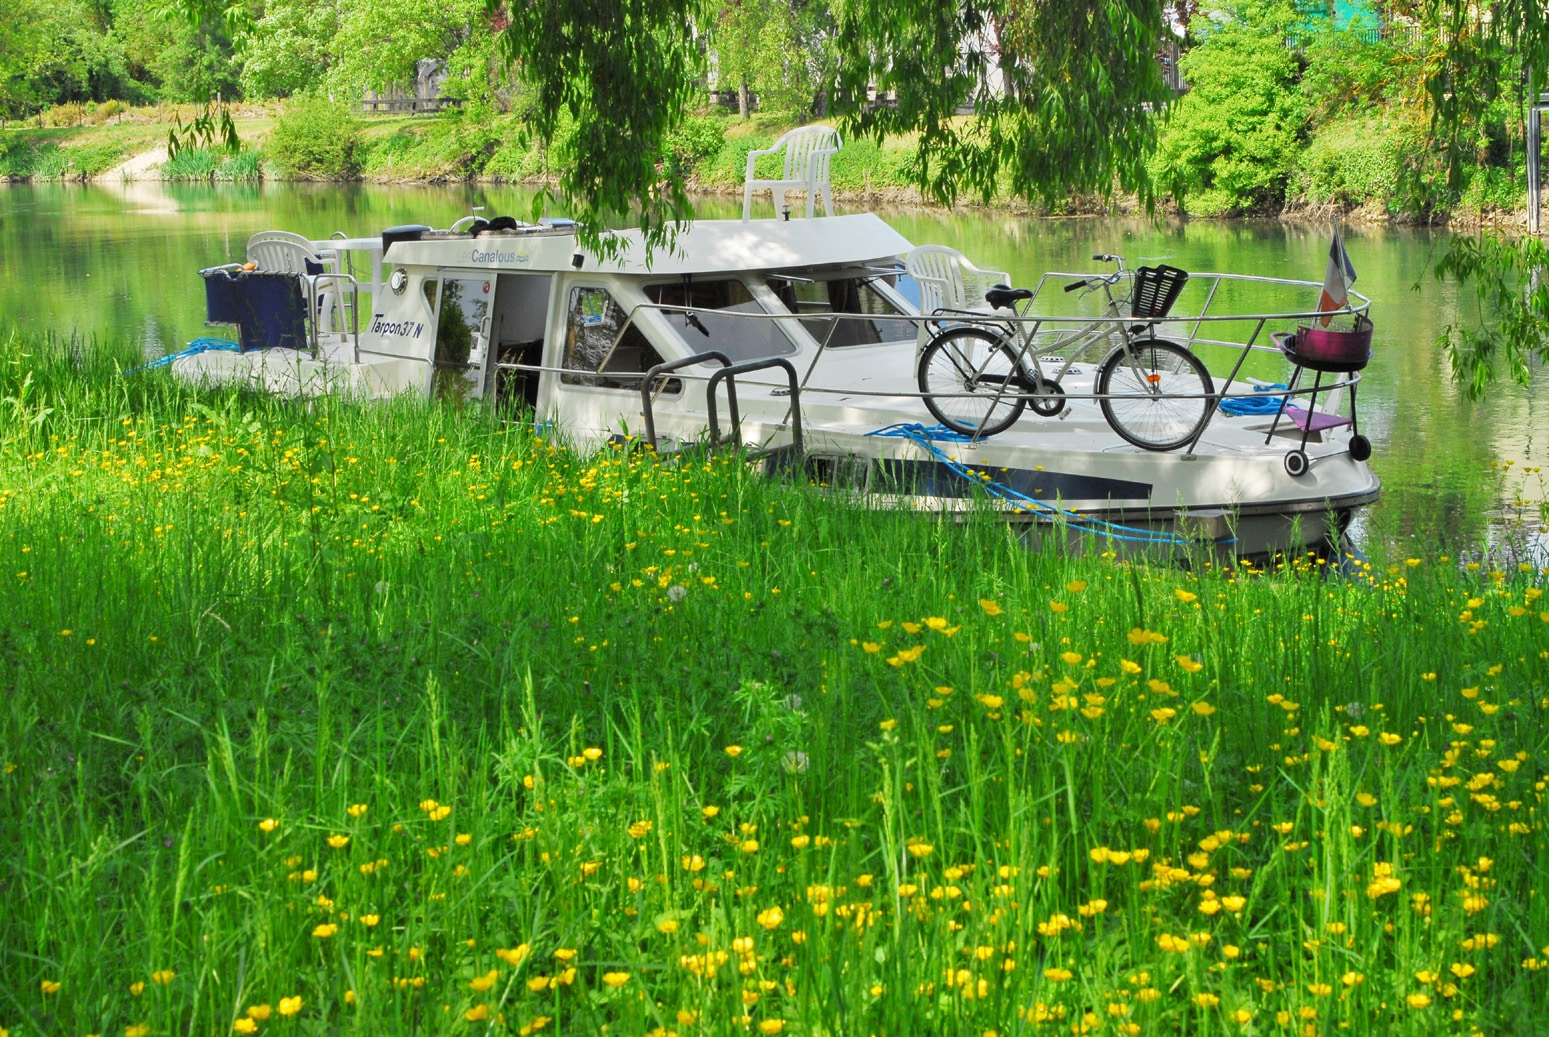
x,y
1354,161
18,156
316,139
694,144
190,164
1230,143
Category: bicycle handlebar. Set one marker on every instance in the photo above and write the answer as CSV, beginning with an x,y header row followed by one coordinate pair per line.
x,y
1113,278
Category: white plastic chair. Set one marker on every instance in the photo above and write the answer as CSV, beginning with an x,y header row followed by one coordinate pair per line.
x,y
282,252
808,150
947,280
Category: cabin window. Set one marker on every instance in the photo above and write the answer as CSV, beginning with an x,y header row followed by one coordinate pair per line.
x,y
595,347
708,318
851,301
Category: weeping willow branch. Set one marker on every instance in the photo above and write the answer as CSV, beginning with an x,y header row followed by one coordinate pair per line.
x,y
612,78
1510,280
1065,95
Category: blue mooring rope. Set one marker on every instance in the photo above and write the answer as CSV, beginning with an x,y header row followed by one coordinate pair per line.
x,y
925,438
1269,403
194,348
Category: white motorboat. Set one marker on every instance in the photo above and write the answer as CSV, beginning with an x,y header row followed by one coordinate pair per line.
x,y
804,339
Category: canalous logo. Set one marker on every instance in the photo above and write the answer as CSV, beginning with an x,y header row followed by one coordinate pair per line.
x,y
496,256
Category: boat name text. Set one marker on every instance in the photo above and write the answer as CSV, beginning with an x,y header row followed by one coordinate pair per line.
x,y
400,328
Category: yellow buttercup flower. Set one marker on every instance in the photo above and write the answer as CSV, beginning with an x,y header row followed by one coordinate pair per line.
x,y
161,977
268,824
290,1005
615,979
49,986
356,810
338,842
734,751
514,956
245,1025
990,607
260,1012
324,931
480,984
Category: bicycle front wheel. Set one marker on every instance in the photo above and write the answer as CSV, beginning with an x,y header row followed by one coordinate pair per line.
x,y
970,382
1155,393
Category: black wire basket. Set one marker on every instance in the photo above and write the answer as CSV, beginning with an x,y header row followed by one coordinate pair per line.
x,y
1156,289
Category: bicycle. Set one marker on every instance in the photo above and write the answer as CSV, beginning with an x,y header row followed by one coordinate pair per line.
x,y
977,380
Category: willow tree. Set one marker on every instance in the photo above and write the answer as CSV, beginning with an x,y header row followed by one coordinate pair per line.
x,y
1489,51
1065,94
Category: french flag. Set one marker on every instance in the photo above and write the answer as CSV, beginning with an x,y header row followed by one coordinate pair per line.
x,y
1338,276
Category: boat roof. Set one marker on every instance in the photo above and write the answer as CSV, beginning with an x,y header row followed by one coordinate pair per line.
x,y
704,247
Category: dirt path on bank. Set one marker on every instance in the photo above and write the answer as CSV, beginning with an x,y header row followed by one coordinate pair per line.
x,y
144,166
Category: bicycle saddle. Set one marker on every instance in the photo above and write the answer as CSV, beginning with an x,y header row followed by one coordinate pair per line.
x,y
1002,296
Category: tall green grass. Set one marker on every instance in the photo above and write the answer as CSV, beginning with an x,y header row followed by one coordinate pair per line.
x,y
395,718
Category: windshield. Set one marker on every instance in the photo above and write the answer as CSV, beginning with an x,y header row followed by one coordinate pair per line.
x,y
709,319
836,306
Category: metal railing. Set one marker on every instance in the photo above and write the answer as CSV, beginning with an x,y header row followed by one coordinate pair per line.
x,y
1205,327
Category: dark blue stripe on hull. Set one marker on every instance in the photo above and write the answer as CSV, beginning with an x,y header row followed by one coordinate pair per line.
x,y
935,479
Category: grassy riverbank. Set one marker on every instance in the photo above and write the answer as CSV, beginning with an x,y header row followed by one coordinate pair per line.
x,y
709,153
394,718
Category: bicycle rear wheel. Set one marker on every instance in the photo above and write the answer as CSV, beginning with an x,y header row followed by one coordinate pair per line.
x,y
1155,393
970,382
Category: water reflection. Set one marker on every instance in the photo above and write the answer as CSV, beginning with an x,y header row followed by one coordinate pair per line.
x,y
119,261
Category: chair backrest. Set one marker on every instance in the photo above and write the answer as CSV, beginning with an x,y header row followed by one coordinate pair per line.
x,y
807,152
938,270
282,252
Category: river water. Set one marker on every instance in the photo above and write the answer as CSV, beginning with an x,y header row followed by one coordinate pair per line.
x,y
118,261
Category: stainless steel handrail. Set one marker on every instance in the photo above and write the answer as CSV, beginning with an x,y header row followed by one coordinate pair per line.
x,y
729,375
314,308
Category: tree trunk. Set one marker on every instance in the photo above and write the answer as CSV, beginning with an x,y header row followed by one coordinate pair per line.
x,y
744,100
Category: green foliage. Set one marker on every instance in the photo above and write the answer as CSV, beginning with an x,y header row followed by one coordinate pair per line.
x,y
95,159
691,146
287,51
18,156
1349,72
754,42
624,72
1231,142
1510,281
1355,161
316,139
379,43
213,164
1081,84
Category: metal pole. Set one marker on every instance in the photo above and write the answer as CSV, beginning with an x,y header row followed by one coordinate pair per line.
x,y
1534,144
